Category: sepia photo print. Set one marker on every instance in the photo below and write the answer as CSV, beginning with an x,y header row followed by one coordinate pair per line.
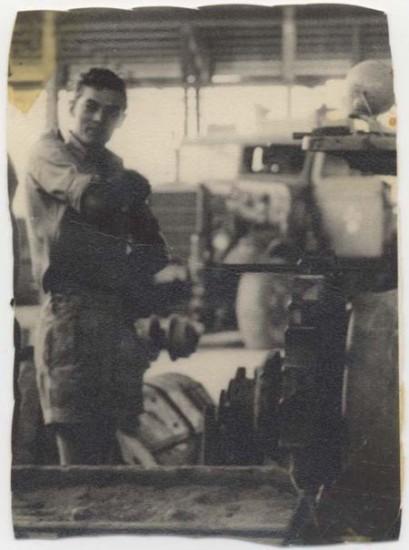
x,y
204,214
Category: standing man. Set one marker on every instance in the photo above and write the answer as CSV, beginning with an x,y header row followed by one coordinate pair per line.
x,y
95,248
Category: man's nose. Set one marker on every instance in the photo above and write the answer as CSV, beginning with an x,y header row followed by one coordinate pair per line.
x,y
97,115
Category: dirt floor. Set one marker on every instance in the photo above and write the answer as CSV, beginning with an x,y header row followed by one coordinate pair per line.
x,y
198,506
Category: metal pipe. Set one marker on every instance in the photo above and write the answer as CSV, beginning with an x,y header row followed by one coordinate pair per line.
x,y
197,108
185,111
289,52
313,266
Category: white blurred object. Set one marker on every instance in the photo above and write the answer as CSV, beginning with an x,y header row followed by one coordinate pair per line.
x,y
369,89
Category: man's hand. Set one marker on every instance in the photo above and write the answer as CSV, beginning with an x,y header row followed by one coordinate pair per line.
x,y
105,200
135,187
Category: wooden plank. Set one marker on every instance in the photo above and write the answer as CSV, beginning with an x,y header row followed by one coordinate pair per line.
x,y
28,477
68,528
245,502
72,46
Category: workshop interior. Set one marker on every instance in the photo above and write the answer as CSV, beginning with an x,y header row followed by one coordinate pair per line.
x,y
269,392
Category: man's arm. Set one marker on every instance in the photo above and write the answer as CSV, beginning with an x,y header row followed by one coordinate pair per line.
x,y
52,170
150,252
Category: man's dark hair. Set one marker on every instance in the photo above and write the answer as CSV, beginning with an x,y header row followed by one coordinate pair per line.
x,y
100,79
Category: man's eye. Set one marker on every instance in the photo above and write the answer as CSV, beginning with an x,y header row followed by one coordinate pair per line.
x,y
91,106
113,112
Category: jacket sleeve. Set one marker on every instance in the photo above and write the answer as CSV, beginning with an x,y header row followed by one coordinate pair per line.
x,y
150,252
52,170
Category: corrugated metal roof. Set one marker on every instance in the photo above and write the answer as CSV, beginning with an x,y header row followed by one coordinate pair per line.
x,y
166,45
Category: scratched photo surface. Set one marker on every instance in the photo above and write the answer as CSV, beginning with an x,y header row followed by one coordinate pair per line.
x,y
204,225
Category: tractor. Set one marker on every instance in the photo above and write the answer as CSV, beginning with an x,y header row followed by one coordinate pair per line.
x,y
326,404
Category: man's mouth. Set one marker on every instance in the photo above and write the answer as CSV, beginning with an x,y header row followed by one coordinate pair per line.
x,y
93,130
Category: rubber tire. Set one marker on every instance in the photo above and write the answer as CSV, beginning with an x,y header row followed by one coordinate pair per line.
x,y
261,309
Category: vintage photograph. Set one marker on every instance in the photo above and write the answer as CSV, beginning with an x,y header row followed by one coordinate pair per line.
x,y
204,213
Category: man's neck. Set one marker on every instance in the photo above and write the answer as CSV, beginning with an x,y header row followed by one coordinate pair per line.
x,y
85,148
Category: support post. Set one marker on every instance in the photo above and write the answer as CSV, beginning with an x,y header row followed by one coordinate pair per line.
x,y
197,108
356,44
50,69
185,111
289,51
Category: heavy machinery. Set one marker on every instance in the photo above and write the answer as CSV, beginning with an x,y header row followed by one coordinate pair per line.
x,y
232,199
327,406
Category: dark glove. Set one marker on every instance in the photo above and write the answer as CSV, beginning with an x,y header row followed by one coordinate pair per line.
x,y
150,252
144,226
136,185
103,201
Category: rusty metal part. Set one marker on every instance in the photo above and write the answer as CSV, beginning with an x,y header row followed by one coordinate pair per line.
x,y
149,330
236,420
292,405
169,430
176,334
210,441
229,431
181,336
267,393
311,424
243,429
314,265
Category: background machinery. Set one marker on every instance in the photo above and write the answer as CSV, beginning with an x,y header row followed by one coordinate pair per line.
x,y
327,406
237,211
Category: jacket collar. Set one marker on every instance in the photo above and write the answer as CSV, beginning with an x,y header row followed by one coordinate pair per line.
x,y
83,151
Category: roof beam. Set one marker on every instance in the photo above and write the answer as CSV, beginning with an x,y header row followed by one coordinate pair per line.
x,y
289,44
196,57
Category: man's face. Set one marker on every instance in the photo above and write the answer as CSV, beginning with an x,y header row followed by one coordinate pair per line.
x,y
96,115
